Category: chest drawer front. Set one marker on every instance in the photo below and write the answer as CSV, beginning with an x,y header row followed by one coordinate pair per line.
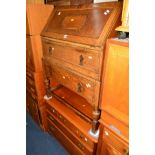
x,y
29,74
84,58
70,136
31,89
115,141
54,114
71,147
33,95
87,88
29,53
33,107
35,83
30,83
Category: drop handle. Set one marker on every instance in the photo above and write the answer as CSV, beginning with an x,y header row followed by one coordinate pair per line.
x,y
81,146
50,49
52,128
79,88
81,60
51,118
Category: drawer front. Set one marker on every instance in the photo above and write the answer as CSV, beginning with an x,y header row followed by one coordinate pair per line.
x,y
115,141
30,85
70,146
35,83
85,59
87,88
30,74
30,81
33,107
29,54
31,90
69,135
54,114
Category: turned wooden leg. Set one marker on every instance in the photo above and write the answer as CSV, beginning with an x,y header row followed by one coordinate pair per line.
x,y
95,124
46,77
47,86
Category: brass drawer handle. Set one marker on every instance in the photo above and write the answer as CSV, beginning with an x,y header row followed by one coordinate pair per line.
x,y
50,49
52,128
79,88
81,136
81,146
60,116
81,60
51,118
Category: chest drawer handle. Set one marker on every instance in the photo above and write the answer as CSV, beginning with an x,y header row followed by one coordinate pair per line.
x,y
50,49
81,60
52,128
51,118
81,146
79,88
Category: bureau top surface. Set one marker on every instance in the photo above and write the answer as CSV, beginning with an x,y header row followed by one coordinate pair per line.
x,y
87,24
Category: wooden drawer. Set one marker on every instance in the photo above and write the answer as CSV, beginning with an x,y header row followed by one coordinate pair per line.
x,y
29,53
72,121
40,100
80,59
33,107
85,87
30,87
53,114
34,53
35,83
69,134
69,145
113,140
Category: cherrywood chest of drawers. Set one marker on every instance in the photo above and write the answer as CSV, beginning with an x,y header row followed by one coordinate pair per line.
x,y
36,18
73,51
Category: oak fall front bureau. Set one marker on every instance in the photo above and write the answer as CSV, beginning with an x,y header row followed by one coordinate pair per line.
x,y
73,48
73,51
